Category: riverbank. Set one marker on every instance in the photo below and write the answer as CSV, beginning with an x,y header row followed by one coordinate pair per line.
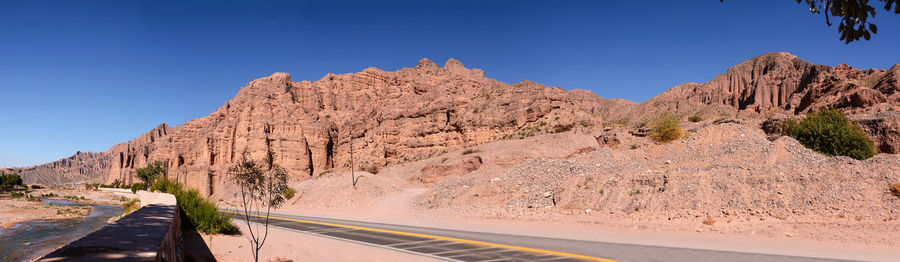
x,y
14,211
18,210
29,240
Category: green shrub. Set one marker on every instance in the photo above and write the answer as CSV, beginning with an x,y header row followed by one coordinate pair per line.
x,y
665,128
16,194
830,132
137,186
131,205
150,172
290,193
10,180
787,126
695,118
634,147
201,212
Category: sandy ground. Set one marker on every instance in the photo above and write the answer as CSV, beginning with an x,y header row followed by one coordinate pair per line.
x,y
13,211
285,245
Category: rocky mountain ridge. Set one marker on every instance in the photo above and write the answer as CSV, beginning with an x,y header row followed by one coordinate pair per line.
x,y
783,83
82,167
414,113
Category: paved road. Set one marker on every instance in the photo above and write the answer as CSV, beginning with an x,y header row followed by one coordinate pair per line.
x,y
457,245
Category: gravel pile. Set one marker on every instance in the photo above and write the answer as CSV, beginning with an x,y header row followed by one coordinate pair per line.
x,y
726,170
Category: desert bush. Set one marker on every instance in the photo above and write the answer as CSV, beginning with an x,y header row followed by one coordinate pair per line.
x,y
562,128
709,221
695,118
10,180
665,128
372,169
149,173
16,194
830,132
470,151
131,205
895,188
290,193
634,147
201,212
787,126
137,186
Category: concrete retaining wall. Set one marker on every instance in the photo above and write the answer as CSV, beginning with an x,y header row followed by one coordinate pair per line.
x,y
152,233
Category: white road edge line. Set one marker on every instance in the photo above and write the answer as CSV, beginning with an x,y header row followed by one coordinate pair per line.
x,y
477,250
415,242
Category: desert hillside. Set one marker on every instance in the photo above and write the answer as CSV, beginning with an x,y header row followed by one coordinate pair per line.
x,y
724,177
415,113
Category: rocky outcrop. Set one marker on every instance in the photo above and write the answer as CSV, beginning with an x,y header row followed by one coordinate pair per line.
x,y
432,173
413,113
82,167
884,128
781,82
391,117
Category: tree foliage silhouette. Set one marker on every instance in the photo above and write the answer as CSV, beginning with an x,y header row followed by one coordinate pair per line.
x,y
150,172
854,15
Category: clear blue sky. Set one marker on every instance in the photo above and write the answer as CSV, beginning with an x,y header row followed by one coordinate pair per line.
x,y
84,75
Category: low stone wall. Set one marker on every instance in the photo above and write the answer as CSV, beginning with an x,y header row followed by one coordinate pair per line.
x,y
152,233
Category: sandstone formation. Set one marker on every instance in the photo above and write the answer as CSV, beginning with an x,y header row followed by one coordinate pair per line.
x,y
784,83
884,128
414,113
390,117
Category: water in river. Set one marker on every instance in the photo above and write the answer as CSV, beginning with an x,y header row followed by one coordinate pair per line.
x,y
32,239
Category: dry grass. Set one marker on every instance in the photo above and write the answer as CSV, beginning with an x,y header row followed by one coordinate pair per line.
x,y
695,118
290,193
131,205
709,221
665,129
470,151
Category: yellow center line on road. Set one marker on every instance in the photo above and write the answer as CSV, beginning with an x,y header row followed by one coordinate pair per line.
x,y
536,250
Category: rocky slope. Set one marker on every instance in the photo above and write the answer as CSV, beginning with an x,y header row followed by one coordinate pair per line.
x,y
782,85
82,167
414,113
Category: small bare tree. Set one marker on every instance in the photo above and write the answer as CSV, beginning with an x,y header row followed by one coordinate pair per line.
x,y
353,177
262,189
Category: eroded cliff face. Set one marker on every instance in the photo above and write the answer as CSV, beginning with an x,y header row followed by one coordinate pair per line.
x,y
783,83
413,113
390,117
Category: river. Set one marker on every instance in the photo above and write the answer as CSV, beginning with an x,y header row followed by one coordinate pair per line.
x,y
33,239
